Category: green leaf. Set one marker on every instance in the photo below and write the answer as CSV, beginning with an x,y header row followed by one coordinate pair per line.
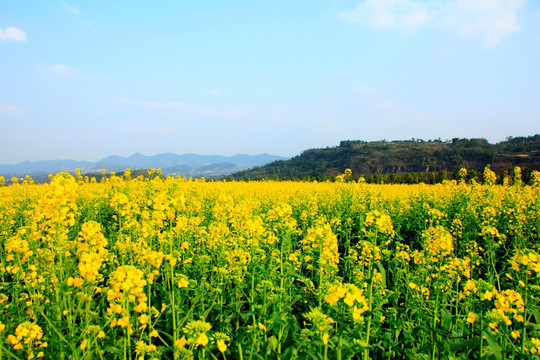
x,y
536,313
112,350
383,273
458,346
494,345
167,335
271,344
163,349
410,354
247,314
446,317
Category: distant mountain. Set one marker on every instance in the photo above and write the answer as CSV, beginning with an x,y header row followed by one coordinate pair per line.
x,y
400,157
193,165
43,166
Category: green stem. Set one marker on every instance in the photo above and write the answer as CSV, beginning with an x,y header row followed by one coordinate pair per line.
x,y
252,297
252,347
173,310
370,305
281,290
241,356
481,330
524,329
434,326
54,328
2,349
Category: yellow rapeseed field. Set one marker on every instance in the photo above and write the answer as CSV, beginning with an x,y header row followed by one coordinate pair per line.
x,y
169,268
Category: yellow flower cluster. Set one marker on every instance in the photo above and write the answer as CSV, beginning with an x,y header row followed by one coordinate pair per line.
x,y
470,288
379,222
154,258
367,252
281,218
320,239
352,296
435,216
121,204
92,250
471,318
535,349
143,349
238,260
55,212
420,290
535,178
196,332
509,305
438,243
16,246
527,261
403,252
489,176
456,229
321,323
27,335
127,288
221,341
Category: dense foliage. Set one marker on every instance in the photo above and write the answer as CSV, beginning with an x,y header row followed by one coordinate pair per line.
x,y
433,157
169,268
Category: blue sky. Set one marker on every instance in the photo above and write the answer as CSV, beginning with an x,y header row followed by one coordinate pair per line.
x,y
86,79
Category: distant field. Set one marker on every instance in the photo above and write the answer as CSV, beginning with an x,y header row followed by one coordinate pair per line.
x,y
175,269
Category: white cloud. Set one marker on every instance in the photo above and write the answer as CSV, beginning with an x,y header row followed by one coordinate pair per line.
x,y
408,14
9,109
69,8
487,21
12,34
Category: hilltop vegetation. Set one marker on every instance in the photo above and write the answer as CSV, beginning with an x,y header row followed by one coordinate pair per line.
x,y
423,158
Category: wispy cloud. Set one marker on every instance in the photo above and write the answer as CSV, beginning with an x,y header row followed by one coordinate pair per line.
x,y
385,104
214,92
181,107
488,21
60,69
70,8
407,14
363,89
12,34
10,110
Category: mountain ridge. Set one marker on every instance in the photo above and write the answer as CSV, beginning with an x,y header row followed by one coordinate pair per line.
x,y
170,163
